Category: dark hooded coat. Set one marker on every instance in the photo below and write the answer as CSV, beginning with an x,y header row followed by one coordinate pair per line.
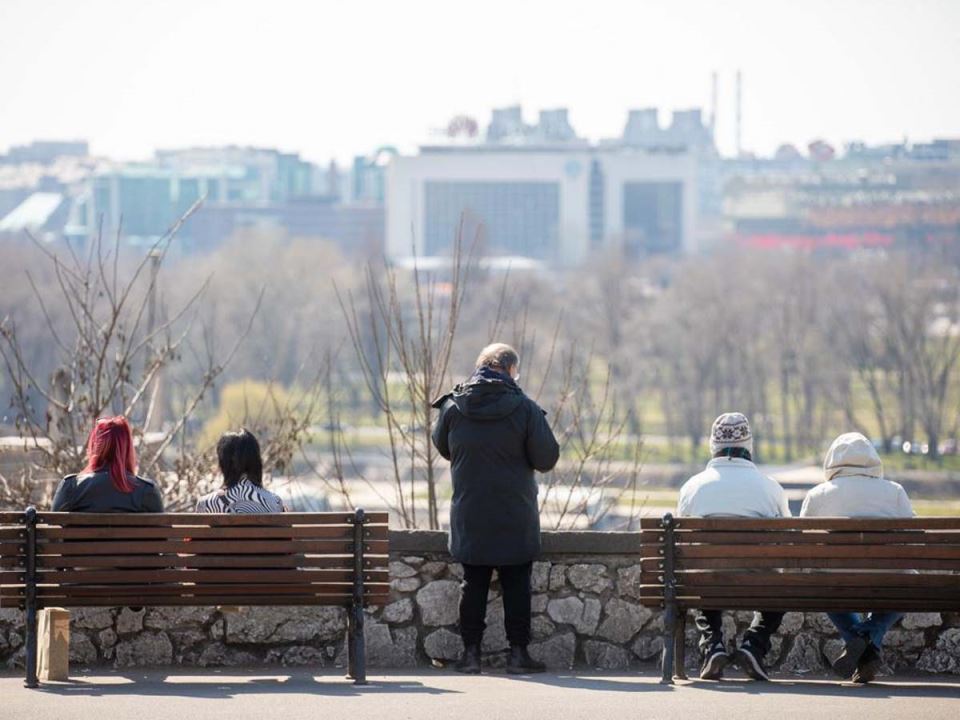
x,y
495,437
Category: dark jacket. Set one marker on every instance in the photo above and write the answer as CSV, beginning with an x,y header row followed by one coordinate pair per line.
x,y
494,437
94,492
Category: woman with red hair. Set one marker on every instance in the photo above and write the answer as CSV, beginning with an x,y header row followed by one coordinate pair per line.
x,y
109,482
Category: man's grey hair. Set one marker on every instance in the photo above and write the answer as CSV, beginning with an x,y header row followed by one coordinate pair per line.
x,y
498,356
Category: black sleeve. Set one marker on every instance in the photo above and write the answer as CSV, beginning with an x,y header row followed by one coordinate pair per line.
x,y
441,432
543,451
63,499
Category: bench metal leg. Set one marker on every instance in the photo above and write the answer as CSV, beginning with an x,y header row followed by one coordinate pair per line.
x,y
31,647
357,650
30,592
669,630
358,647
680,646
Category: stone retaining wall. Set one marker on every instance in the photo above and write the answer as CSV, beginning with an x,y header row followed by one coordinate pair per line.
x,y
586,614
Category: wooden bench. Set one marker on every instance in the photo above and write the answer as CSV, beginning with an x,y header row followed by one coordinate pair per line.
x,y
50,559
804,564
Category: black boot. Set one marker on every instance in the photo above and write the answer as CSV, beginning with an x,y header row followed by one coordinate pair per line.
x,y
470,660
520,662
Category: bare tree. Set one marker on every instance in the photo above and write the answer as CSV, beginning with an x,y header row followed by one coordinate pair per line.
x,y
110,355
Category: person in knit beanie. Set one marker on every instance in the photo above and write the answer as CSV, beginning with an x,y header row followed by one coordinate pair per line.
x,y
732,486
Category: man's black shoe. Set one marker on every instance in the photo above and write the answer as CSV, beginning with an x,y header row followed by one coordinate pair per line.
x,y
751,662
520,662
713,663
470,660
869,666
849,659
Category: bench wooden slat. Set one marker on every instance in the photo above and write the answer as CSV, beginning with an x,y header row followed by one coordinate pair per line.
x,y
200,577
239,547
208,600
813,553
730,524
815,579
218,520
864,594
206,561
11,518
150,591
796,537
821,605
871,563
341,532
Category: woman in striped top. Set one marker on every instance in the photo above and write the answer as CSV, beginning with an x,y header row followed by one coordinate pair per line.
x,y
238,454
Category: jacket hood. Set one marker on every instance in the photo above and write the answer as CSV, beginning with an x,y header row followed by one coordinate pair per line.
x,y
852,454
487,395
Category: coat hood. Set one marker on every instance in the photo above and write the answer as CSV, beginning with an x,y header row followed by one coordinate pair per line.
x,y
852,454
487,395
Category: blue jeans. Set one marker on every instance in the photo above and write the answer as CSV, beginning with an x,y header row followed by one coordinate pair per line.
x,y
873,625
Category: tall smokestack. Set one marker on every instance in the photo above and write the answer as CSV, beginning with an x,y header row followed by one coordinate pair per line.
x,y
738,121
713,105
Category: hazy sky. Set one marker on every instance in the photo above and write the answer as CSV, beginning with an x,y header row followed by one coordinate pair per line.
x,y
338,78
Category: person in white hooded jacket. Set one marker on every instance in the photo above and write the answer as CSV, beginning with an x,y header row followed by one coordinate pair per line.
x,y
732,486
854,486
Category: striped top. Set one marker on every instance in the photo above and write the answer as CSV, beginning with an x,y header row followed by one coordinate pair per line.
x,y
244,497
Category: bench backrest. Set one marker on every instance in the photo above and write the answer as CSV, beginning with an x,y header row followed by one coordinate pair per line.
x,y
802,564
87,559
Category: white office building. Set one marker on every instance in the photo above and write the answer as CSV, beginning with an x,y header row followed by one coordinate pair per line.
x,y
542,193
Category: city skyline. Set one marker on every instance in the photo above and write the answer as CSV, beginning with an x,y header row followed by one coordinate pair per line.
x,y
336,81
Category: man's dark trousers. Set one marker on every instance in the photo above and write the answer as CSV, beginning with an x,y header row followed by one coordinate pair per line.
x,y
515,583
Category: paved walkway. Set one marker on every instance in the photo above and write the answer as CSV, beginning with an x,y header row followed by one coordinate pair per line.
x,y
235,695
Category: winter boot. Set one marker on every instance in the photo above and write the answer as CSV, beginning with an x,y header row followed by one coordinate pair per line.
x,y
520,662
470,660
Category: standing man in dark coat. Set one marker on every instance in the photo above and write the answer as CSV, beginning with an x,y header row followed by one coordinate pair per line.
x,y
495,437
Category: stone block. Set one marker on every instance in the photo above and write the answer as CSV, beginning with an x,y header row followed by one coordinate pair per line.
x,y
918,621
558,652
623,620
589,578
390,650
172,618
401,570
439,602
443,644
219,655
558,577
397,612
495,636
606,656
540,577
129,621
804,655
648,647
628,582
286,624
82,649
944,657
538,603
404,585
568,610
147,648
541,627
92,618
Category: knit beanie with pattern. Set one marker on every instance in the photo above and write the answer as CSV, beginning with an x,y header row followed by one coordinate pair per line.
x,y
731,430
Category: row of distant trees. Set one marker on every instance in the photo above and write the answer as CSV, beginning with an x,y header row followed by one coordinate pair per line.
x,y
806,345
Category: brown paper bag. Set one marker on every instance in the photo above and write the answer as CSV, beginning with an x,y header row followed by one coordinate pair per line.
x,y
53,644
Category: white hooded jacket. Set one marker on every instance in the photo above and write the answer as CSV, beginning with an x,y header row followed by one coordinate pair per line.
x,y
732,487
854,485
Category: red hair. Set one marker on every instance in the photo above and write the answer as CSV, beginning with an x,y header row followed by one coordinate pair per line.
x,y
110,448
